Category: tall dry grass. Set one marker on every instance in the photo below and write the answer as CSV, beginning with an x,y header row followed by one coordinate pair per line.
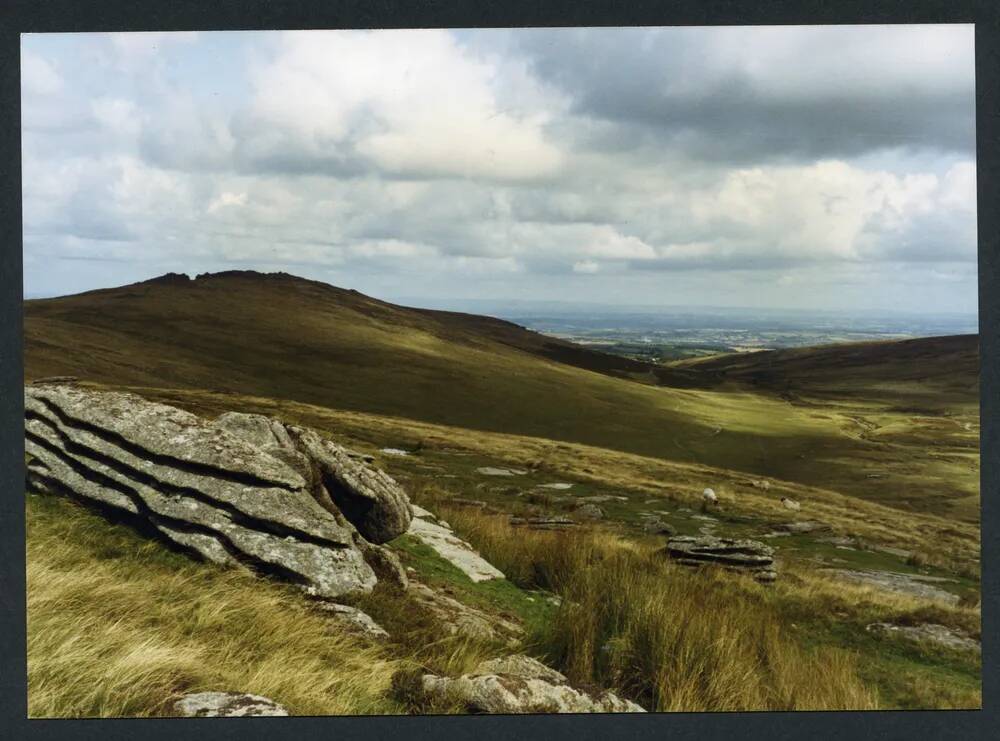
x,y
669,639
118,626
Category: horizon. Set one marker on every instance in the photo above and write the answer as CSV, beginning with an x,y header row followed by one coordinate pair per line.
x,y
505,308
819,168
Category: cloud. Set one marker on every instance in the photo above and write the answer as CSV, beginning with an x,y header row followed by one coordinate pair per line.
x,y
408,103
618,164
751,94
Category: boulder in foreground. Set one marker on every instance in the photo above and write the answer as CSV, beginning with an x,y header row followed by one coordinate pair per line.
x,y
243,490
227,705
520,684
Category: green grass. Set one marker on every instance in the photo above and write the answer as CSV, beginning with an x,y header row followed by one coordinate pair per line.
x,y
296,340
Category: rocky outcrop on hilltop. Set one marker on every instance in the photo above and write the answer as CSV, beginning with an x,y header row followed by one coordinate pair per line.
x,y
749,556
519,684
243,489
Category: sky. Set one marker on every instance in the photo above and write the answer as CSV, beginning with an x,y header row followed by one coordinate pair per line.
x,y
782,167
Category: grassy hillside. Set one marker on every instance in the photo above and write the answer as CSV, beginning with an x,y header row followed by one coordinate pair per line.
x,y
282,337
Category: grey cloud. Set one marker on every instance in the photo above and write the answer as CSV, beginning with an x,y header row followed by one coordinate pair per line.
x,y
659,87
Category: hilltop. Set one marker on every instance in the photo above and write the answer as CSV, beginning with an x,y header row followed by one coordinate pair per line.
x,y
283,337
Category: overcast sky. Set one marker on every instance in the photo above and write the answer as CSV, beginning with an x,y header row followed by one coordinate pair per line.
x,y
827,167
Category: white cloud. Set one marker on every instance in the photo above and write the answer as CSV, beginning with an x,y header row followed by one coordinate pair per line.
x,y
38,77
408,102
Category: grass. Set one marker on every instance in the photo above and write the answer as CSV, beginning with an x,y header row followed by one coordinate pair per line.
x,y
459,451
119,626
673,640
286,338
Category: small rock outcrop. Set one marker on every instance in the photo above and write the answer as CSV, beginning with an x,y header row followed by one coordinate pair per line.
x,y
227,705
520,684
749,556
802,528
436,534
460,619
543,522
588,512
918,585
928,632
354,620
243,489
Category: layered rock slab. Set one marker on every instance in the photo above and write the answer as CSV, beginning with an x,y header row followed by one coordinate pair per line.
x,y
750,556
240,490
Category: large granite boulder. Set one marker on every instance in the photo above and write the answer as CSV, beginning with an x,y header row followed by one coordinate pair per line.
x,y
750,556
519,684
240,490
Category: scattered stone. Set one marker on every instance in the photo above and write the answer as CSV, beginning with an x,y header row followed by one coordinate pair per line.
x,y
589,512
931,632
520,684
227,705
557,486
705,518
776,535
749,556
602,498
801,528
355,620
543,523
656,526
395,451
900,552
244,489
437,535
840,541
491,471
912,584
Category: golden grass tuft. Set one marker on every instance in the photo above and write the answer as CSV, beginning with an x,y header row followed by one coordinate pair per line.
x,y
119,626
669,639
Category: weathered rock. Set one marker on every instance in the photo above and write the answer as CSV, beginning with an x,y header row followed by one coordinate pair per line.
x,y
369,498
558,486
492,471
460,619
801,528
239,490
354,619
589,512
520,684
912,584
426,528
928,632
227,705
749,556
543,522
656,526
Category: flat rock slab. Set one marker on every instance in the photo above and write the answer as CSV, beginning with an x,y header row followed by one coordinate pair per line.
x,y
557,486
491,471
394,451
520,684
893,581
433,533
227,705
929,632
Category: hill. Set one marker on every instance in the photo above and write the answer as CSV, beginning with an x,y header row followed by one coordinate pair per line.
x,y
283,337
